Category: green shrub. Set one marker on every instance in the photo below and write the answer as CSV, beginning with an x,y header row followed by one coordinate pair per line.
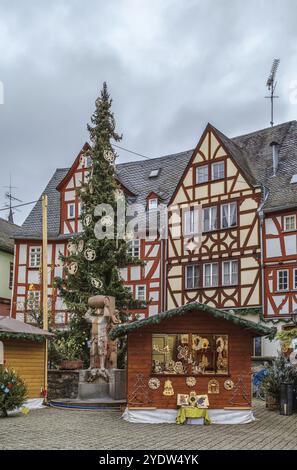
x,y
13,391
280,371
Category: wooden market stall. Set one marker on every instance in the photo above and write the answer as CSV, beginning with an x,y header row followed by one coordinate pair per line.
x,y
191,354
22,347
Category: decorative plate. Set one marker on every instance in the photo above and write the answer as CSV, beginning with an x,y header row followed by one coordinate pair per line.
x,y
154,383
191,381
229,384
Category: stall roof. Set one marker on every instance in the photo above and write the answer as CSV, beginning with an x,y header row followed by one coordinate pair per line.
x,y
11,326
257,329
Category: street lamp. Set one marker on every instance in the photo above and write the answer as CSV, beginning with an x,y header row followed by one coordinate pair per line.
x,y
294,316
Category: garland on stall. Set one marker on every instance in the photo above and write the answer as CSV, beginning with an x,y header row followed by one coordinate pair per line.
x,y
22,336
258,311
124,328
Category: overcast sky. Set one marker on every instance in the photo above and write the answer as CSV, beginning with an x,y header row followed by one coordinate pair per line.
x,y
171,67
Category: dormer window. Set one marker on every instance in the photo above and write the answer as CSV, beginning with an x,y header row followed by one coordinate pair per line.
x,y
71,210
154,173
152,204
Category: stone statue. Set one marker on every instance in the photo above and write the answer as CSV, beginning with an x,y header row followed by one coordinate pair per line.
x,y
103,352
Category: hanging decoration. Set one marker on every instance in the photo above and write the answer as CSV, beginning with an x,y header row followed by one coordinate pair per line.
x,y
87,220
90,254
154,383
191,381
109,156
71,247
168,389
182,399
239,393
213,386
183,352
72,268
179,368
228,384
140,394
165,350
97,283
91,188
80,246
107,221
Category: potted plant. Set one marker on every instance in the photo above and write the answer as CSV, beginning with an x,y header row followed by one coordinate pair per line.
x,y
70,352
280,371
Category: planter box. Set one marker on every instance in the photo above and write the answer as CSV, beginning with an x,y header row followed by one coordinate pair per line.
x,y
71,365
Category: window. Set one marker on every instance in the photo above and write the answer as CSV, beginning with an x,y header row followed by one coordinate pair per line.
x,y
289,222
133,248
282,279
295,279
210,219
257,346
140,293
130,288
218,171
201,174
191,222
210,275
197,354
152,204
229,215
33,300
1,353
192,276
35,257
154,173
230,273
71,210
10,275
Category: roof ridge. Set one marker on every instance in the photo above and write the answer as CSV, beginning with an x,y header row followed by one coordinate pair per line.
x,y
262,130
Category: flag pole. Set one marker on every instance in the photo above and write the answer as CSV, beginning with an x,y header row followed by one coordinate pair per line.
x,y
45,288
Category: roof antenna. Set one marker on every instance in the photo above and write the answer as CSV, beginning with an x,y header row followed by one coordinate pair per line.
x,y
271,85
10,199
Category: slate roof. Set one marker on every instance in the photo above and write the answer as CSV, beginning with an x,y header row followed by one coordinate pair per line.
x,y
10,325
7,231
256,329
252,153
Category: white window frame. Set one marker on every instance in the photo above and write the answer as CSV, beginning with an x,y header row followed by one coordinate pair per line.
x,y
35,256
278,280
211,209
33,300
229,205
216,165
295,278
133,248
203,180
231,281
287,217
142,297
69,206
211,276
194,277
191,222
153,204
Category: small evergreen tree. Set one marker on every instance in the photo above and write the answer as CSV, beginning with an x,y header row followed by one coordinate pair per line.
x,y
13,392
92,265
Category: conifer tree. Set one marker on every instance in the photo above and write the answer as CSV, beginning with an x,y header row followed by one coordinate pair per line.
x,y
92,265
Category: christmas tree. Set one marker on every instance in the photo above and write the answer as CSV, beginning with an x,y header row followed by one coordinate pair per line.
x,y
91,266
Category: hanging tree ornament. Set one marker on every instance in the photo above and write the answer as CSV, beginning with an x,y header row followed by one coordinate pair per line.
x,y
90,254
71,247
72,267
97,283
80,246
91,188
109,156
87,220
107,221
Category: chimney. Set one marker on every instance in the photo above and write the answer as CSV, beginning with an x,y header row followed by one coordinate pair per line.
x,y
275,156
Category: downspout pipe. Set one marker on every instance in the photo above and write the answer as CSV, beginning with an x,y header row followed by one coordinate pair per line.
x,y
262,218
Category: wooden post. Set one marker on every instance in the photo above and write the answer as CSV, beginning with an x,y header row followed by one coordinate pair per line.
x,y
45,285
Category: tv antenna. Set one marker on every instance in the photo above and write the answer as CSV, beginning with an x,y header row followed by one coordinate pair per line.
x,y
271,85
10,200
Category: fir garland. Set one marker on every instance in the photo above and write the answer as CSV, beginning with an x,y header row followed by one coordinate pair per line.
x,y
125,328
22,336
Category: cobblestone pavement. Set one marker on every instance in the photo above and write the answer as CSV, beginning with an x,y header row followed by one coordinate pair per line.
x,y
71,429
